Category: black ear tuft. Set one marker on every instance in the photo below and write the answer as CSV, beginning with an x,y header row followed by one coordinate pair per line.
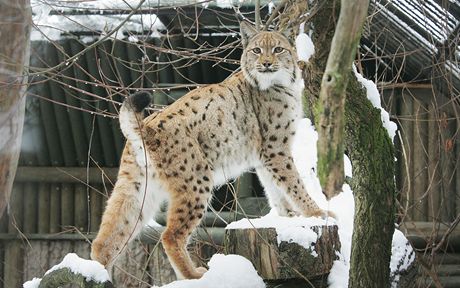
x,y
247,32
138,101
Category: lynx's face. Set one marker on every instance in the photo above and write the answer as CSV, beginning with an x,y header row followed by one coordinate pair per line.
x,y
268,58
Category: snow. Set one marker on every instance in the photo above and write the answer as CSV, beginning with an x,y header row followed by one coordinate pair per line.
x,y
51,27
91,270
343,205
225,271
374,96
152,223
271,6
402,255
347,166
224,3
305,157
304,46
32,283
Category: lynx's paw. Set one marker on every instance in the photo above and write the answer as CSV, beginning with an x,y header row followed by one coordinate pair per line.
x,y
98,254
199,272
292,213
321,213
327,213
103,254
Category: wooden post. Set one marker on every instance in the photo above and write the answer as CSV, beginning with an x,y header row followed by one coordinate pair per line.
x,y
68,204
407,127
331,105
447,134
81,208
434,177
16,18
43,208
420,163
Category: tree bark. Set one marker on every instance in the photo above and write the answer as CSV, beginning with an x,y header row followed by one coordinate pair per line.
x,y
16,19
372,156
331,104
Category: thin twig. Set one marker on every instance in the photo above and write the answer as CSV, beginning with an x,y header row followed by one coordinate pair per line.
x,y
274,14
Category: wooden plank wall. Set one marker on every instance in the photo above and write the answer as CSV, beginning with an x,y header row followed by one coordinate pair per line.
x,y
428,152
142,265
37,234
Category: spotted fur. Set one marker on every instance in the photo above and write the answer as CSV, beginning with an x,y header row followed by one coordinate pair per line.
x,y
208,136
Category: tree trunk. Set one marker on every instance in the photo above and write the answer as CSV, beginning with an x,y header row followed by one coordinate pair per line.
x,y
371,153
16,20
372,156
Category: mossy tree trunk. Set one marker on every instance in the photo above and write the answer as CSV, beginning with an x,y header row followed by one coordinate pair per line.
x,y
371,152
372,156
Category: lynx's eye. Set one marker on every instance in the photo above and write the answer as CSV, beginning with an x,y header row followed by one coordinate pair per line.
x,y
278,49
256,50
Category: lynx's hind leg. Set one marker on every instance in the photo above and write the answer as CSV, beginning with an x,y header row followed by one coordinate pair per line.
x,y
190,189
130,206
184,214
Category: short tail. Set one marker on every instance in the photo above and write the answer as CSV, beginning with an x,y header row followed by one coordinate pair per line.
x,y
131,115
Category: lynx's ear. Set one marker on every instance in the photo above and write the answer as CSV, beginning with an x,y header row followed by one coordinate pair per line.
x,y
247,32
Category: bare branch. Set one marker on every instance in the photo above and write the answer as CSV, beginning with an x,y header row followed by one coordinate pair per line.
x,y
331,104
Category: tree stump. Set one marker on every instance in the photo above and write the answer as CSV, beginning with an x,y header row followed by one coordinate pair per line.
x,y
285,260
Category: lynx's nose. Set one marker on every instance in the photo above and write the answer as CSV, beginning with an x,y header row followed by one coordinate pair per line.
x,y
267,64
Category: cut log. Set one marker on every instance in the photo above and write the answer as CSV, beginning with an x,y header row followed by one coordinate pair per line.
x,y
285,260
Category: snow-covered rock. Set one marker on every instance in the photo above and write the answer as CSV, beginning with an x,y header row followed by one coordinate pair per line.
x,y
225,271
89,269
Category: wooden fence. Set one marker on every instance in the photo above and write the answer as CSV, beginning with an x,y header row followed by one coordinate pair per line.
x,y
428,169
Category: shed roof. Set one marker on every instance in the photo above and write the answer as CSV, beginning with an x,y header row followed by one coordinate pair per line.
x,y
418,38
404,40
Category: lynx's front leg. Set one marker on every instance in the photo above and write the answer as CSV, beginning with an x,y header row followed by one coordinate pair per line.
x,y
276,196
279,164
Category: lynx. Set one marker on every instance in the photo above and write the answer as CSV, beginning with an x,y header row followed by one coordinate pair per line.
x,y
212,134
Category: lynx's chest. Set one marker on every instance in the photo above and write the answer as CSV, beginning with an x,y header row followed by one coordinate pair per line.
x,y
280,107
